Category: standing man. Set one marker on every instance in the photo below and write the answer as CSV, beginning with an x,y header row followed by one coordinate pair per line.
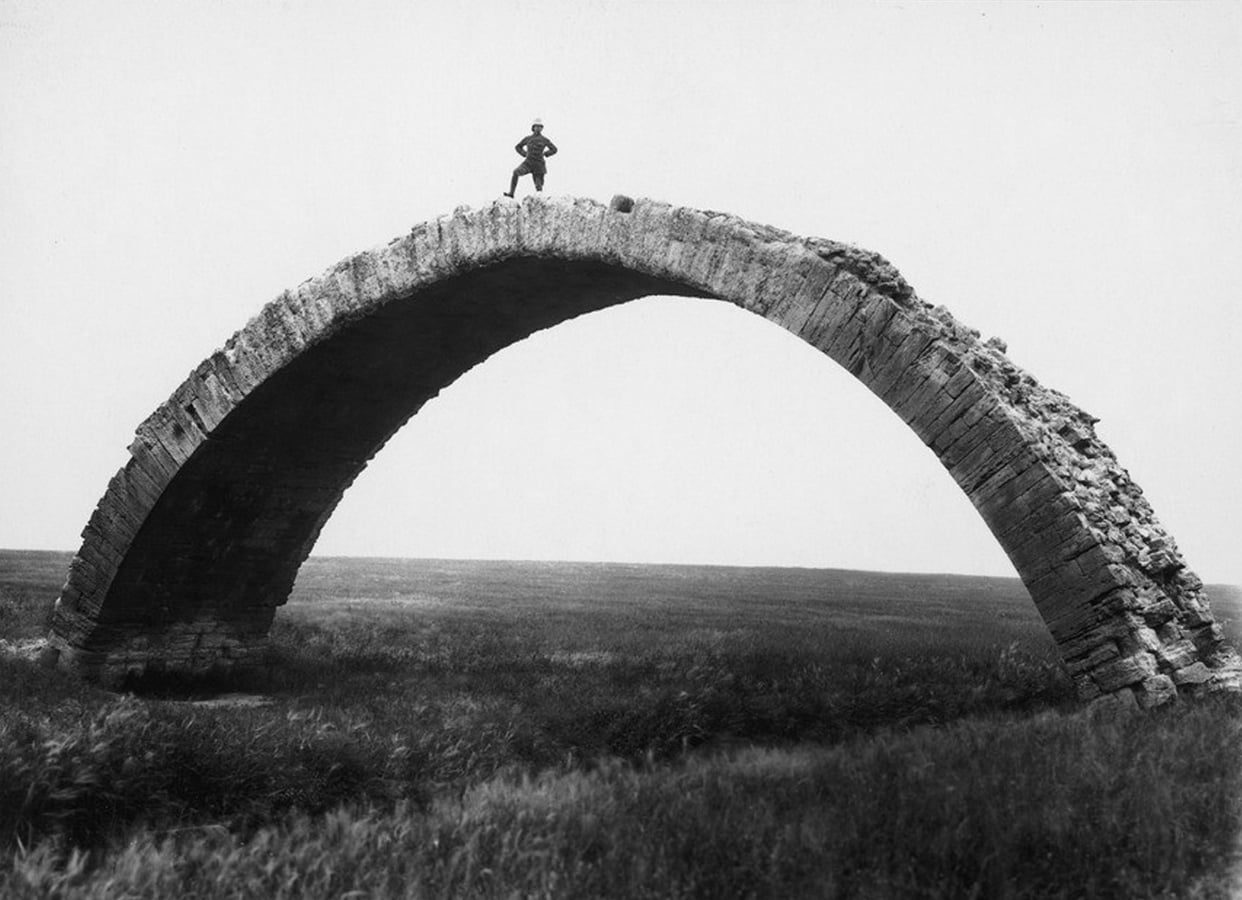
x,y
534,147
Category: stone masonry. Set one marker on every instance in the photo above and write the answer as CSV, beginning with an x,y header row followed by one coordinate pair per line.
x,y
198,538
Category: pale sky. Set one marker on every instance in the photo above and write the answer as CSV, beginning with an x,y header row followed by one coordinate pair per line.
x,y
1066,176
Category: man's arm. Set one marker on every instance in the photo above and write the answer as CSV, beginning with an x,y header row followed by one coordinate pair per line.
x,y
551,151
521,147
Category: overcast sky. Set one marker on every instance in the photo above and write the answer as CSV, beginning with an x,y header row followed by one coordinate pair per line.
x,y
1066,176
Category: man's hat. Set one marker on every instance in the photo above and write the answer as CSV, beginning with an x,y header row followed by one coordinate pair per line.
x,y
538,122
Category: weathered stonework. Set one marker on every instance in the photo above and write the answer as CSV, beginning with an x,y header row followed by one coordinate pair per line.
x,y
198,538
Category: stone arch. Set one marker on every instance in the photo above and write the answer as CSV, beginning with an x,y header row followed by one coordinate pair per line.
x,y
198,538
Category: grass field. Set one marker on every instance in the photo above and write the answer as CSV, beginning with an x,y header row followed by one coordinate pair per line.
x,y
489,729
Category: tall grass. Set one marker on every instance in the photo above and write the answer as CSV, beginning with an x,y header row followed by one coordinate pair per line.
x,y
1054,805
424,741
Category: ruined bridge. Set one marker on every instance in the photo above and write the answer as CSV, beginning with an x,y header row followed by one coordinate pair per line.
x,y
198,538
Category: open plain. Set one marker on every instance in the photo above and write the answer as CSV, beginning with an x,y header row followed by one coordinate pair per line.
x,y
494,729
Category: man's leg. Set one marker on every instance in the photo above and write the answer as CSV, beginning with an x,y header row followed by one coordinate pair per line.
x,y
517,173
538,176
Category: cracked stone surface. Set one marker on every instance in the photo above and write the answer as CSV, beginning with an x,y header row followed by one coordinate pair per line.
x,y
198,538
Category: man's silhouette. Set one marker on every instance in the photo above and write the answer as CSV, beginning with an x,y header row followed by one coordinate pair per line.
x,y
534,147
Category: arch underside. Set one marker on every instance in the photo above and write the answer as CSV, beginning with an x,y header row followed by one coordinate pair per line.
x,y
222,546
199,538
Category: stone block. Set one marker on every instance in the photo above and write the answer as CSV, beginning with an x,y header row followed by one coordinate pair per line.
x,y
1105,627
247,367
892,374
1195,673
727,281
1095,658
109,527
500,239
978,434
427,260
128,500
1178,654
901,326
1156,691
1026,550
207,401
926,402
1143,638
466,240
833,321
1123,672
784,278
91,581
937,428
950,425
792,311
880,312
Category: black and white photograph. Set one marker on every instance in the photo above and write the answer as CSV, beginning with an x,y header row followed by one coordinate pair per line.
x,y
654,449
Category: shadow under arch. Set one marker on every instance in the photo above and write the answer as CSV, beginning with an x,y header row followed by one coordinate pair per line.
x,y
199,537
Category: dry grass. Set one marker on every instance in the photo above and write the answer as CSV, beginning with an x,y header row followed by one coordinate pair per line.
x,y
620,732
